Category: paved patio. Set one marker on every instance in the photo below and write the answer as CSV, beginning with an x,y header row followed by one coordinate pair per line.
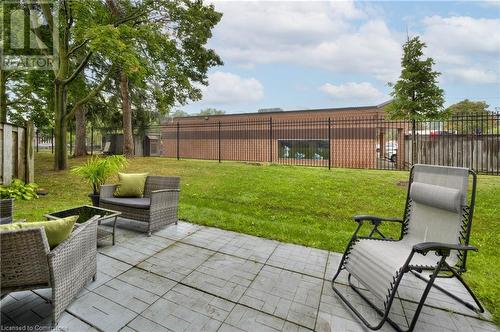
x,y
194,278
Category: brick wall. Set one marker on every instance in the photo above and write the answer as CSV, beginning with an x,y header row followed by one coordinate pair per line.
x,y
260,136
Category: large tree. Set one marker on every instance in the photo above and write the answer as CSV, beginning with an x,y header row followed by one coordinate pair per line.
x,y
82,27
168,46
470,117
154,49
416,95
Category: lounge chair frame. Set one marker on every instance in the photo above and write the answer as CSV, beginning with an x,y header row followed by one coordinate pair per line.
x,y
441,270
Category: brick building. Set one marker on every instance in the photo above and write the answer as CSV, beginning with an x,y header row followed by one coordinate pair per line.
x,y
343,137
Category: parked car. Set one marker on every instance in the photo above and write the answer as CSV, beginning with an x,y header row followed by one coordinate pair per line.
x,y
390,151
440,133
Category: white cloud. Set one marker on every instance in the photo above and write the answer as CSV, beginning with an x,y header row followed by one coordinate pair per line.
x,y
349,37
353,92
462,34
372,50
465,48
230,89
473,75
488,3
337,35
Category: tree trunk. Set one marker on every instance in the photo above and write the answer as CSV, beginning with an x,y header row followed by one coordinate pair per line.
x,y
60,128
81,137
3,96
128,139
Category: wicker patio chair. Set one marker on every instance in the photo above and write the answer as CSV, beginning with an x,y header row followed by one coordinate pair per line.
x,y
155,210
434,237
28,263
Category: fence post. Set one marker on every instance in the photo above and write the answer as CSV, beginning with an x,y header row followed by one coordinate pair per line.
x,y
30,158
178,129
219,144
91,140
329,143
70,139
270,139
52,140
7,156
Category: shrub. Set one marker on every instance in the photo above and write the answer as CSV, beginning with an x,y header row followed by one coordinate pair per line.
x,y
19,190
97,170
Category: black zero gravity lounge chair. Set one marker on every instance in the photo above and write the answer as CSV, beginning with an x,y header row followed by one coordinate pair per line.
x,y
434,238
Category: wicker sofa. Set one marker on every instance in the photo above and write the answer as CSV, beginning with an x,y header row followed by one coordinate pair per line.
x,y
27,263
155,210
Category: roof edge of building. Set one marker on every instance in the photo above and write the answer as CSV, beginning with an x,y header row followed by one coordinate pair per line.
x,y
336,109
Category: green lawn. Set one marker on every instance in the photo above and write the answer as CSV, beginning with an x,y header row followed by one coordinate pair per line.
x,y
309,206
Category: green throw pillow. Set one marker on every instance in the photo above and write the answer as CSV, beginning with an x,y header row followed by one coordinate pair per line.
x,y
131,185
9,227
56,230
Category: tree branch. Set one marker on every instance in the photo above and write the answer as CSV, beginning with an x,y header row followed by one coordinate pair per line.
x,y
129,18
91,95
19,100
47,13
78,69
77,47
36,31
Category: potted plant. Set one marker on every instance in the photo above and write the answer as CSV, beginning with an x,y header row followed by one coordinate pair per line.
x,y
97,170
16,190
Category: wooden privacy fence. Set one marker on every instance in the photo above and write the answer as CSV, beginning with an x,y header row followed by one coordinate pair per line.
x,y
481,153
16,153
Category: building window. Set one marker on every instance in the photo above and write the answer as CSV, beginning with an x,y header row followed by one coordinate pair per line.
x,y
315,149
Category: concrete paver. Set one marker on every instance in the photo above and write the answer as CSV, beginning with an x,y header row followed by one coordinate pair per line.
x,y
193,278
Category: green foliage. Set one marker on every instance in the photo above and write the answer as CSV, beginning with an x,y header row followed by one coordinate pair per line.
x,y
179,114
478,119
161,45
19,190
211,111
97,170
416,95
31,94
468,107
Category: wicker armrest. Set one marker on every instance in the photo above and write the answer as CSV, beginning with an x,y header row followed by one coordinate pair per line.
x,y
72,264
23,257
164,198
107,190
164,190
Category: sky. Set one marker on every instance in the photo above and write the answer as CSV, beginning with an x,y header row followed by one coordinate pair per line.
x,y
323,54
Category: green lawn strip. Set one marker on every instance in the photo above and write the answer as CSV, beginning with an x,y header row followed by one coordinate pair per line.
x,y
302,205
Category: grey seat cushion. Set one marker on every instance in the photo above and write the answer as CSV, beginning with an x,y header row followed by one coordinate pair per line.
x,y
138,203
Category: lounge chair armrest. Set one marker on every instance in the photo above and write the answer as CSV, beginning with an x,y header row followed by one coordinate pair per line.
x,y
374,219
442,248
375,222
107,190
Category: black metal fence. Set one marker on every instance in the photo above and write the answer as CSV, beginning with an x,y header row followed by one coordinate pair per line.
x,y
464,141
44,139
374,143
